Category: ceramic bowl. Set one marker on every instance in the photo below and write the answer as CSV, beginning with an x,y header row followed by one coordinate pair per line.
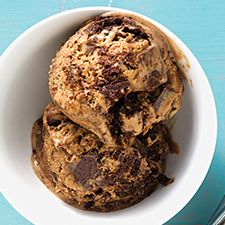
x,y
24,94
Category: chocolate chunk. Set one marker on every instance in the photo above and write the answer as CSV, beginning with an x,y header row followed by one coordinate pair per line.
x,y
52,122
159,103
143,149
110,205
100,144
85,169
89,196
153,150
123,168
116,89
155,73
100,156
37,136
98,108
154,171
91,45
106,195
102,52
126,185
101,23
67,120
89,204
111,72
155,79
157,157
129,61
116,154
164,180
150,181
152,134
153,95
131,104
114,121
135,168
90,49
79,138
138,32
111,21
153,83
116,131
94,151
99,191
73,74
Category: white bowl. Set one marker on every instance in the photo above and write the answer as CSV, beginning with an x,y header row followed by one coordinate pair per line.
x,y
23,96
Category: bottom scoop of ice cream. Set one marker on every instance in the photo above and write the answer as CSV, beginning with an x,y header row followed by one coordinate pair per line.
x,y
116,76
76,166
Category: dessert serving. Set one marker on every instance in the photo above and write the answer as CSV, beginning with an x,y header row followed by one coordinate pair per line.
x,y
102,142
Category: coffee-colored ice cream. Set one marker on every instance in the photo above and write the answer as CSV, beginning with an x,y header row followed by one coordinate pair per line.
x,y
84,172
116,76
102,144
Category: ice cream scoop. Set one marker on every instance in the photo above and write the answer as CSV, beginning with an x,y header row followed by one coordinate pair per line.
x,y
84,172
116,76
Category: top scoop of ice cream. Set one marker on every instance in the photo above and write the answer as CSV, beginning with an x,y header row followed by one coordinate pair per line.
x,y
116,76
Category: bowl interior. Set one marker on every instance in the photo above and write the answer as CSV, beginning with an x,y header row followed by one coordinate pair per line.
x,y
24,94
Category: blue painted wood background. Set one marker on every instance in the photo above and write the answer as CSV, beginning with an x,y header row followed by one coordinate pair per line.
x,y
200,24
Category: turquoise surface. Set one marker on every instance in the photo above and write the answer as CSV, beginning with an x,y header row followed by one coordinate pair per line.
x,y
200,24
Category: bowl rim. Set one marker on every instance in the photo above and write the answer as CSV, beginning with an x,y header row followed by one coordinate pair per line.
x,y
204,169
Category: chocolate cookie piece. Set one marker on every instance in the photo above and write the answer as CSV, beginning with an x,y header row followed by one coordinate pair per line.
x,y
111,59
86,173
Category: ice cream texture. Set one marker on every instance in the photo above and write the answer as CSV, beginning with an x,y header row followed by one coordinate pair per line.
x,y
102,143
116,77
